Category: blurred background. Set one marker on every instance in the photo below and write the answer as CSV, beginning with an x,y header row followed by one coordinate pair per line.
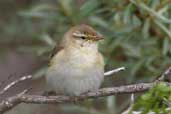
x,y
137,36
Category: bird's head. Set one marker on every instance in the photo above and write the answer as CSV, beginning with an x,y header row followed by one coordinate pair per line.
x,y
82,36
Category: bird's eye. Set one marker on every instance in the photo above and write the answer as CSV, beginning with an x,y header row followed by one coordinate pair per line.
x,y
82,37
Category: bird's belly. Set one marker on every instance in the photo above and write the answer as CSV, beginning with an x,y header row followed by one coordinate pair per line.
x,y
67,80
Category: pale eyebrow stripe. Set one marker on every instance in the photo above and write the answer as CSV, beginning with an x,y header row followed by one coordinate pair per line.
x,y
79,35
83,35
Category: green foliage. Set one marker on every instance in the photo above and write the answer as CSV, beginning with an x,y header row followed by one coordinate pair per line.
x,y
157,100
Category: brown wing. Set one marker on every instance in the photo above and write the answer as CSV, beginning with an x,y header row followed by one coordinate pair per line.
x,y
55,50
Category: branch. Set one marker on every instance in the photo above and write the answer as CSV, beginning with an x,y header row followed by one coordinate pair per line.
x,y
36,99
14,83
114,71
11,102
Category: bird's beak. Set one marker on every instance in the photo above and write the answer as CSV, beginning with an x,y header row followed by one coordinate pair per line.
x,y
98,37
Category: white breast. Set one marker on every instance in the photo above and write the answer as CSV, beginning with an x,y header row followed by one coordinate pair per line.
x,y
76,75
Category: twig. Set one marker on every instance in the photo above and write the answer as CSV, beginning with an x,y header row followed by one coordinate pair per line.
x,y
158,16
161,25
132,99
14,83
164,75
151,11
5,80
11,102
114,71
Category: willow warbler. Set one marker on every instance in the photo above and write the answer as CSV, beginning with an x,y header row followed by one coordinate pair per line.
x,y
78,67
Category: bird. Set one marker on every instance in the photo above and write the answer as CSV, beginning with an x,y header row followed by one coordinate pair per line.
x,y
77,67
